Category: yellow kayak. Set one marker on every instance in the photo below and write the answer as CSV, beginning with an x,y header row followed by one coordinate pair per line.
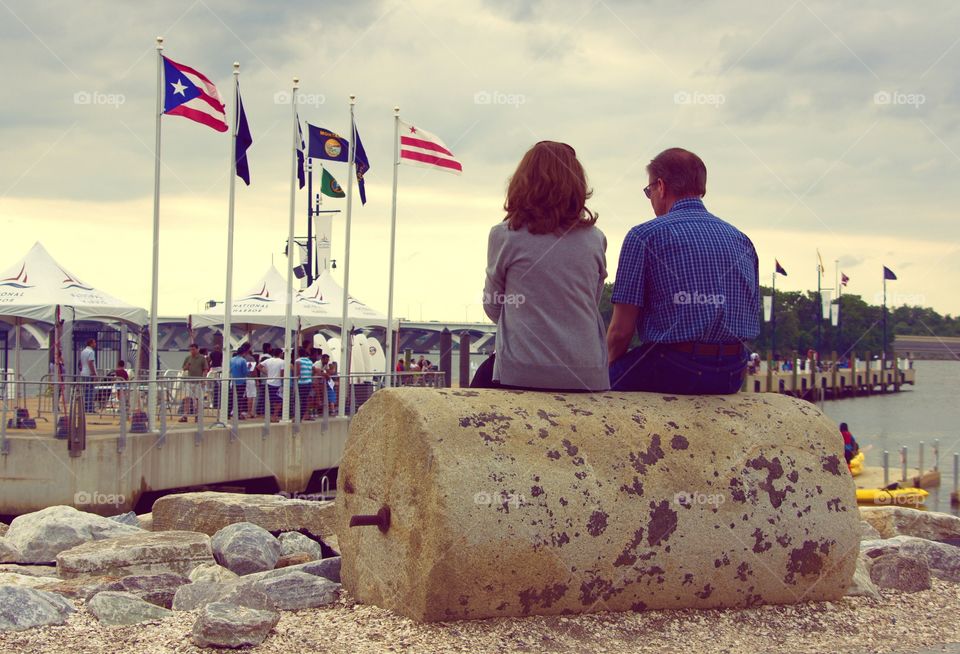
x,y
898,496
856,465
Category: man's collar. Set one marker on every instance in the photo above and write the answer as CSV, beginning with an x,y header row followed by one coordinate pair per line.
x,y
686,203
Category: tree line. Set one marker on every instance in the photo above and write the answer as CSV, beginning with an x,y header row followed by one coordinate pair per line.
x,y
860,328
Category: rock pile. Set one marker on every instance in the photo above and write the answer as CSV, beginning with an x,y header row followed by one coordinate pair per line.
x,y
123,574
901,550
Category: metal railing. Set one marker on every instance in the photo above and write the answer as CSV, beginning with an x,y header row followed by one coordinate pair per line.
x,y
68,409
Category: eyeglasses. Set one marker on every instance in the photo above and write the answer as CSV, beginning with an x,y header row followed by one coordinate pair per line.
x,y
646,189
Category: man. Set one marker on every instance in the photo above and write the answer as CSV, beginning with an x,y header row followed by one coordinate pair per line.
x,y
239,371
88,374
687,284
195,366
272,369
215,363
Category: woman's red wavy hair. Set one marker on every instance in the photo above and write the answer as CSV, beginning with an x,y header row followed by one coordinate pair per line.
x,y
548,193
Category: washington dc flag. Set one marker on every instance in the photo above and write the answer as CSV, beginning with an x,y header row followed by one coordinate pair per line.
x,y
418,147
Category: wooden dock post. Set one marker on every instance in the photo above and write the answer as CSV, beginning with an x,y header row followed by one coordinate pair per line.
x,y
446,356
465,359
770,371
833,374
896,372
866,375
794,384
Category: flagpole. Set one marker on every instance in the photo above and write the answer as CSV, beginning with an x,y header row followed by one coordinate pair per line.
x,y
819,302
773,316
345,346
228,296
839,295
288,352
309,270
388,346
154,287
883,362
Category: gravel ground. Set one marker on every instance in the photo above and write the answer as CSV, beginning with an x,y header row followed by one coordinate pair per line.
x,y
920,622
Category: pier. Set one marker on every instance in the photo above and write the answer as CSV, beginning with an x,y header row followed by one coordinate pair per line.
x,y
831,381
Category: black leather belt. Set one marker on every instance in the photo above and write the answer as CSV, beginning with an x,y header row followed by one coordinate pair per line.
x,y
707,349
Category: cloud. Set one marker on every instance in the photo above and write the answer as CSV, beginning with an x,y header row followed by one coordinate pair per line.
x,y
779,100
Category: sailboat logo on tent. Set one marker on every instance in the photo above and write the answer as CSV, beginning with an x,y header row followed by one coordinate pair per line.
x,y
19,281
262,296
316,299
69,282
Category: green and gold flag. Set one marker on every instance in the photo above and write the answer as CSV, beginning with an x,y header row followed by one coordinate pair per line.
x,y
329,186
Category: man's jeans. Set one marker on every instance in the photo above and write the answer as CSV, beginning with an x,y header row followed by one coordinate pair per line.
x,y
655,368
88,394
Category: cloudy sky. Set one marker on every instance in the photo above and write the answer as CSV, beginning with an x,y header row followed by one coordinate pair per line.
x,y
822,126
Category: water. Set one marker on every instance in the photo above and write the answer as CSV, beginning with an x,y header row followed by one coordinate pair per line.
x,y
924,412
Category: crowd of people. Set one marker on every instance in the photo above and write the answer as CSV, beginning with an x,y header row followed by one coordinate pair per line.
x,y
256,381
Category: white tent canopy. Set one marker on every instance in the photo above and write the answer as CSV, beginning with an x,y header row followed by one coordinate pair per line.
x,y
326,295
33,288
265,305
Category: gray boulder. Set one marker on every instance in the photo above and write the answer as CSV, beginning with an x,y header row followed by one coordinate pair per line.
x,y
201,593
27,581
145,521
942,559
23,608
292,542
868,531
327,568
226,625
245,548
41,535
211,572
900,572
155,589
31,570
861,585
128,518
9,553
141,553
892,521
116,608
298,590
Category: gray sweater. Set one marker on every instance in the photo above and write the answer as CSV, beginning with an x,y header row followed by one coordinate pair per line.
x,y
543,291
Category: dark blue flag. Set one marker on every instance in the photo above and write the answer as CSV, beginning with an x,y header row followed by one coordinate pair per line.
x,y
362,165
244,141
328,145
301,175
888,274
780,268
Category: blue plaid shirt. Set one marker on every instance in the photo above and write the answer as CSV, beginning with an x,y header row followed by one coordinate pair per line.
x,y
694,276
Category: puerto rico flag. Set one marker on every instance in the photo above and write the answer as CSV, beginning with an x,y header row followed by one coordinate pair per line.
x,y
418,147
192,95
844,279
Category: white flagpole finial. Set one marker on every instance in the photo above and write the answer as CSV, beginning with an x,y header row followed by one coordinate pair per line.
x,y
159,43
296,82
236,67
353,99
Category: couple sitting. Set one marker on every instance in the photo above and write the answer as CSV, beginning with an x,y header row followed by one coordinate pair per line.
x,y
687,285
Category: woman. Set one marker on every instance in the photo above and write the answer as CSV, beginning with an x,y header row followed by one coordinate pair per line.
x,y
546,264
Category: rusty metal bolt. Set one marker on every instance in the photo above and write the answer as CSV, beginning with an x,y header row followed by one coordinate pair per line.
x,y
381,519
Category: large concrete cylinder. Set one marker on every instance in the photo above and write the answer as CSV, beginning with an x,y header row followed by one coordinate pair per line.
x,y
509,503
